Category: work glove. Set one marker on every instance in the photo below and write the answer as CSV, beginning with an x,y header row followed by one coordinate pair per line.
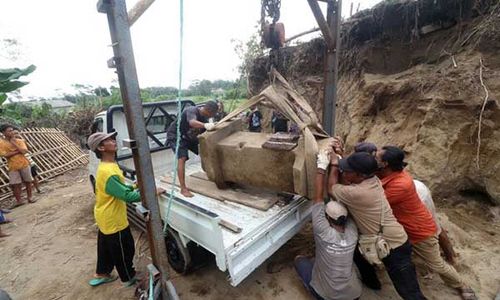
x,y
323,158
209,126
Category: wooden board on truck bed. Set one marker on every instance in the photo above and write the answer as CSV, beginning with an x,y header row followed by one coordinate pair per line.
x,y
248,196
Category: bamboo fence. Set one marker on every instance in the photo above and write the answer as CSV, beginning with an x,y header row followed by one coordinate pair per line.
x,y
53,153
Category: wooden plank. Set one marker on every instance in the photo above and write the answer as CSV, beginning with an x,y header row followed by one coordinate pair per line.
x,y
246,196
234,228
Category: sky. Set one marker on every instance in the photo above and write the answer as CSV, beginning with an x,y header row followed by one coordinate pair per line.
x,y
69,41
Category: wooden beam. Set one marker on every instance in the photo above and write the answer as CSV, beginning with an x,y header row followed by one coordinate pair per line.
x,y
136,12
288,40
323,25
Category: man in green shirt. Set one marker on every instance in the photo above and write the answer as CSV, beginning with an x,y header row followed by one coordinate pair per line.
x,y
115,243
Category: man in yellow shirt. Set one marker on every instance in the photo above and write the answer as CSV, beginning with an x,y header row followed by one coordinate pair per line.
x,y
13,149
115,243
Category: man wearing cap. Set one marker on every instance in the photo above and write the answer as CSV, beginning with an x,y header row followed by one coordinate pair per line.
x,y
363,194
331,275
115,243
194,121
415,217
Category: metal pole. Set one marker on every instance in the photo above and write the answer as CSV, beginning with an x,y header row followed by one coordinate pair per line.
x,y
129,87
331,67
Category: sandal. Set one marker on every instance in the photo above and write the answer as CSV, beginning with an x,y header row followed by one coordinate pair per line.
x,y
467,293
101,280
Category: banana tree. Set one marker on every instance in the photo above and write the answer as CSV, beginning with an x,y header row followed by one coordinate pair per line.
x,y
9,82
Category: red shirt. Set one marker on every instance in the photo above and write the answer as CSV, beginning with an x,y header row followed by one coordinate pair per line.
x,y
407,207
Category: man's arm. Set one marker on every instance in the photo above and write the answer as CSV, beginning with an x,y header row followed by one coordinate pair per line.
x,y
333,178
12,153
319,221
20,146
196,124
323,160
116,188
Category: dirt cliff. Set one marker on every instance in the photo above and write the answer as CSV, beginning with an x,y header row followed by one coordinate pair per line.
x,y
418,75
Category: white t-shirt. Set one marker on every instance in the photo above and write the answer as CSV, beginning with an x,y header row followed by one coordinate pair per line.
x,y
425,195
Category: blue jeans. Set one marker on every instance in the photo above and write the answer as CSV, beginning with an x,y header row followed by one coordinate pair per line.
x,y
304,267
402,272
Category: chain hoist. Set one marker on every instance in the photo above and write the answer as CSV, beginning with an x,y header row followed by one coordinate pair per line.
x,y
272,32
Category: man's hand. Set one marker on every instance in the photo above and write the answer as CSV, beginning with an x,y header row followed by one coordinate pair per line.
x,y
324,158
338,145
159,191
209,126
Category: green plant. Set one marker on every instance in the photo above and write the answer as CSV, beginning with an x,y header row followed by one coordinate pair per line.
x,y
9,82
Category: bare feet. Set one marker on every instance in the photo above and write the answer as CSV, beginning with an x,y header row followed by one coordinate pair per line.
x,y
186,193
2,234
159,191
31,200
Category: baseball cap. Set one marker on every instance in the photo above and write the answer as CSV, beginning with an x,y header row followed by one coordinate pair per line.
x,y
359,162
335,210
96,138
365,147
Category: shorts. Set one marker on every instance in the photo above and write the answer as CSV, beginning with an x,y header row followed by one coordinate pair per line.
x,y
184,147
20,176
34,171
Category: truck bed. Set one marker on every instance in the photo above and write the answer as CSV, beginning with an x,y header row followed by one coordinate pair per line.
x,y
262,232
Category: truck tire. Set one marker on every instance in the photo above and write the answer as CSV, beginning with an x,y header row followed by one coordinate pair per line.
x,y
178,255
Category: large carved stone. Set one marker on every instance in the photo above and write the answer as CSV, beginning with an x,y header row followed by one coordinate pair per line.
x,y
231,155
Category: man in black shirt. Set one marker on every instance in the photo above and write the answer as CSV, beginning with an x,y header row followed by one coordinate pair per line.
x,y
194,121
279,122
254,120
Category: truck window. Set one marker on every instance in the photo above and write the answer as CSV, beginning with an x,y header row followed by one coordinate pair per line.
x,y
158,124
97,126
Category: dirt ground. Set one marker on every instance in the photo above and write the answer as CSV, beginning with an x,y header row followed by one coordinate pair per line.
x,y
52,252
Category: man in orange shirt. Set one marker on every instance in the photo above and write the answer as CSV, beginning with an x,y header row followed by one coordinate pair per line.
x,y
13,149
415,217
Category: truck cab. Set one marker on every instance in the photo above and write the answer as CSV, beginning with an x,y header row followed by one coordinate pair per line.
x,y
157,116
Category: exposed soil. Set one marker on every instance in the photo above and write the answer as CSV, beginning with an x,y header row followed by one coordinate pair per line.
x,y
424,93
52,252
394,89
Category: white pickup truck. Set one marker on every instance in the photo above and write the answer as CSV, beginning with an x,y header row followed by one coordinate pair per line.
x,y
194,224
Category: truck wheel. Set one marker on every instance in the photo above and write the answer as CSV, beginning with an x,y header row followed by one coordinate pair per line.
x,y
92,182
178,255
